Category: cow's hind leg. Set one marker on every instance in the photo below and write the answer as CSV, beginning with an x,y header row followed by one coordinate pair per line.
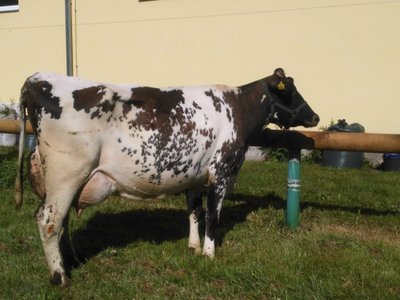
x,y
67,249
52,214
50,218
195,210
67,164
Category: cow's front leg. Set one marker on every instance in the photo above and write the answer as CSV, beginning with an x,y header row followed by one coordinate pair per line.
x,y
195,210
50,219
215,196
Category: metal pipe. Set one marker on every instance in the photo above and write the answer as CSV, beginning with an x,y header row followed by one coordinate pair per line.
x,y
68,37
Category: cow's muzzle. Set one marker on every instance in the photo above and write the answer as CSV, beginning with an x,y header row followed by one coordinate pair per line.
x,y
312,122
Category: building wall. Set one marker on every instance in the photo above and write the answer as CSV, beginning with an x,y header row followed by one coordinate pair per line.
x,y
31,39
343,55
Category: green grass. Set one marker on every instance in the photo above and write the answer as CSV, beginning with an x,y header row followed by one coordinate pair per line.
x,y
347,246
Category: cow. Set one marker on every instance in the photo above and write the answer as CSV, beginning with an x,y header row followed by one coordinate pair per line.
x,y
97,139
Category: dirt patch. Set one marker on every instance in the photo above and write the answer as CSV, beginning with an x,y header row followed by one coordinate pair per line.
x,y
365,233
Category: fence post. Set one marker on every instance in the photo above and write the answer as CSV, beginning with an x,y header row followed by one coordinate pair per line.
x,y
293,194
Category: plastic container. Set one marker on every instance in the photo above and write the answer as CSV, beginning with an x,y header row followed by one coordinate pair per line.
x,y
343,159
30,141
391,162
8,139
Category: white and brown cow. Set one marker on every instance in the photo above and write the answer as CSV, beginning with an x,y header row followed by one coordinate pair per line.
x,y
96,139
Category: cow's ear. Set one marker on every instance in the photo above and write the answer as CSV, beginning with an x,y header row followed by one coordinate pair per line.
x,y
278,80
280,73
289,82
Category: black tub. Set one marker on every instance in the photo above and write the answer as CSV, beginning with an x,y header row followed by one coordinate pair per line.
x,y
391,162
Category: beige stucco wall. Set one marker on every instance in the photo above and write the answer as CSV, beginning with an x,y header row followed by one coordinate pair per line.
x,y
344,55
31,39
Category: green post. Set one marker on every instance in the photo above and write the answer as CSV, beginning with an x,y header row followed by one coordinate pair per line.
x,y
293,184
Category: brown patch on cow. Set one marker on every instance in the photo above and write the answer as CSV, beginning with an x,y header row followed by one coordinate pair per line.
x,y
188,128
216,100
40,100
42,95
236,114
228,115
88,98
126,108
226,147
196,106
50,229
161,101
94,97
36,174
157,106
103,107
204,132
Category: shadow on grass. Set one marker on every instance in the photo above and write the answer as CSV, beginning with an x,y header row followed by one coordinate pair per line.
x,y
117,230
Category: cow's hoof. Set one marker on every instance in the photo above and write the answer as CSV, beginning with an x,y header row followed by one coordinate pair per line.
x,y
195,250
208,254
59,280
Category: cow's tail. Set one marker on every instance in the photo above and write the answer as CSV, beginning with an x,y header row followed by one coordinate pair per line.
x,y
19,180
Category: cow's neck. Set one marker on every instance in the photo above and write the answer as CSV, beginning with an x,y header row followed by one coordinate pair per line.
x,y
255,106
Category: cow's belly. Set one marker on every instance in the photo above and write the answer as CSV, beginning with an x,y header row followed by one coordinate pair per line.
x,y
139,188
133,178
144,165
142,186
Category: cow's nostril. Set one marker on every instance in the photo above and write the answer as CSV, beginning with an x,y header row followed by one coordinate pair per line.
x,y
316,119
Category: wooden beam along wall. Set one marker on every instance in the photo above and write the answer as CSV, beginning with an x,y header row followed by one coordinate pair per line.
x,y
321,140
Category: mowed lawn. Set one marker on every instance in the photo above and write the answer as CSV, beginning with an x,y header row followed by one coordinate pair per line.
x,y
347,245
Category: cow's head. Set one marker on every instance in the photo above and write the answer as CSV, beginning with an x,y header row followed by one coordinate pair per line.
x,y
288,108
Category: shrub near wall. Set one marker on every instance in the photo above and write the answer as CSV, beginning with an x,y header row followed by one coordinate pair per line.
x,y
8,112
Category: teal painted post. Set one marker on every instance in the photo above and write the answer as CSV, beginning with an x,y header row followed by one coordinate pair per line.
x,y
293,184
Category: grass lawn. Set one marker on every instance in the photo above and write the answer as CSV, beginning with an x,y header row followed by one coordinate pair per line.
x,y
347,245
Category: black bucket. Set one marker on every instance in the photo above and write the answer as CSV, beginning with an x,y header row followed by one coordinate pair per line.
x,y
343,159
391,162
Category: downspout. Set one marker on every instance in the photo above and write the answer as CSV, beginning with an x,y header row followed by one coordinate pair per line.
x,y
68,37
